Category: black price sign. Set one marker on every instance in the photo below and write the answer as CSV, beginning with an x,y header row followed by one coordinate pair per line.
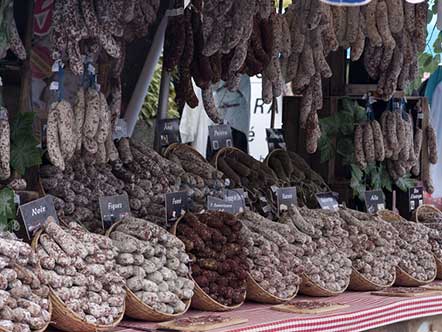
x,y
238,199
286,197
374,201
328,201
217,204
220,137
275,139
113,209
416,197
35,214
168,132
176,205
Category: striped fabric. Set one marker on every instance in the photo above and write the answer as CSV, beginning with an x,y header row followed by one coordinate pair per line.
x,y
365,312
347,3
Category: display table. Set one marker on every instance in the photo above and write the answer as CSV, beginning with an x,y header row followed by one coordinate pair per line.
x,y
365,312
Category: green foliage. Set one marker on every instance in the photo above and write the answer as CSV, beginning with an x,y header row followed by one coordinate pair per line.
x,y
150,106
24,150
430,59
7,209
340,128
406,182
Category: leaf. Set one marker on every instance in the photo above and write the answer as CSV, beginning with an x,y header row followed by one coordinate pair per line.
x,y
356,172
7,207
21,125
360,114
404,183
356,182
345,120
429,16
376,179
25,154
386,180
434,7
347,104
329,126
326,149
345,148
437,47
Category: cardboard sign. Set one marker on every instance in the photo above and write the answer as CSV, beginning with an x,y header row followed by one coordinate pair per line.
x,y
374,201
120,130
238,199
286,197
35,214
176,206
264,204
275,139
220,136
415,197
217,204
168,131
113,209
328,201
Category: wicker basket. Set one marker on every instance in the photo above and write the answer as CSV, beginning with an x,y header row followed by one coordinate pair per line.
x,y
135,308
388,215
308,287
185,147
422,208
202,301
359,283
222,152
405,280
439,268
271,154
258,294
64,318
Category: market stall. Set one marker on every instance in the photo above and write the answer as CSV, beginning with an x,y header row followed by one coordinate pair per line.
x,y
102,229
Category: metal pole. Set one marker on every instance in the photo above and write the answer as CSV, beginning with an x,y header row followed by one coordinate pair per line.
x,y
163,102
274,110
274,101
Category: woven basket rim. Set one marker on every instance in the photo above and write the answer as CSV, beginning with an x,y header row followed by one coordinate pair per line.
x,y
142,304
75,317
225,307
276,298
368,281
325,290
222,152
417,280
425,206
56,301
188,148
388,213
271,154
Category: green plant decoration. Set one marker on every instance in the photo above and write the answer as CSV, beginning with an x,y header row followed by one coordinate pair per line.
x,y
150,106
24,150
340,128
7,209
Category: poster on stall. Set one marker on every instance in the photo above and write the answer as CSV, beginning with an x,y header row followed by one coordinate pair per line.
x,y
260,115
